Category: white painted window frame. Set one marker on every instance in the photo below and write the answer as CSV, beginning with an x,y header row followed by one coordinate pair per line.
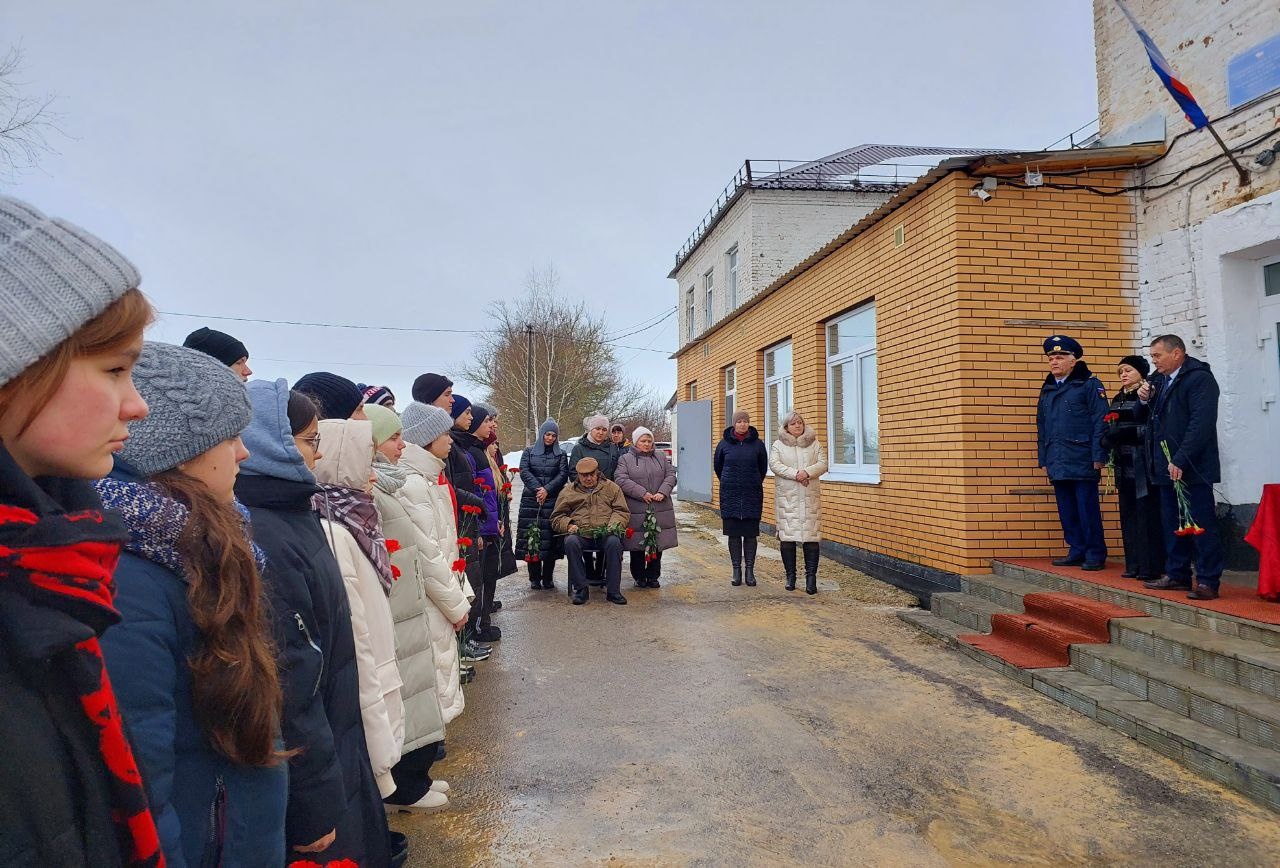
x,y
860,472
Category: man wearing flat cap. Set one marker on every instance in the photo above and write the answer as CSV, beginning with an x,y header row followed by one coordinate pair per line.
x,y
584,511
1069,430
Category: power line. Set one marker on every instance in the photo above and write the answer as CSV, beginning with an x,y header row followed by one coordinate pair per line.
x,y
642,326
415,329
418,367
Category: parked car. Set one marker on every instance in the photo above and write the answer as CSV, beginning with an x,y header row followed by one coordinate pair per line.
x,y
664,446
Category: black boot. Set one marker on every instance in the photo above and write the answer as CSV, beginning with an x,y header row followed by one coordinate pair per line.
x,y
535,576
735,557
789,563
811,568
749,556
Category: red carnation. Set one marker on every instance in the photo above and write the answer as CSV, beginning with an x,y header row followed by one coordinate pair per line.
x,y
631,531
393,546
460,565
1111,417
395,571
535,558
465,541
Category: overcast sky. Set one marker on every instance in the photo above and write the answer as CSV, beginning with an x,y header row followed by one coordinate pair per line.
x,y
407,163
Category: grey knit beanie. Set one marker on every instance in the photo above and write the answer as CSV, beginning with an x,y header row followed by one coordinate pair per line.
x,y
196,403
54,278
423,423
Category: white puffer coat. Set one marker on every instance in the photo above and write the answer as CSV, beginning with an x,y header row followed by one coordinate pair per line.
x,y
797,508
430,505
348,449
424,720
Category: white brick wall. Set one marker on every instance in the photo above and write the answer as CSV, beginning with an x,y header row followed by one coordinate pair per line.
x,y
774,230
1202,239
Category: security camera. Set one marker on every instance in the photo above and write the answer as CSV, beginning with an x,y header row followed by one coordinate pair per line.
x,y
980,193
1264,158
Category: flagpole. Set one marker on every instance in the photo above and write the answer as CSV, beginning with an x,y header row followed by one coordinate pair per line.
x,y
1244,173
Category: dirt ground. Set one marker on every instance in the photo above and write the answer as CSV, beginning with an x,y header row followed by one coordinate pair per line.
x,y
705,724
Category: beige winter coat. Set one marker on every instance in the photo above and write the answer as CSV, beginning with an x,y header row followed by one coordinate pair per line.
x,y
348,456
797,508
415,653
448,593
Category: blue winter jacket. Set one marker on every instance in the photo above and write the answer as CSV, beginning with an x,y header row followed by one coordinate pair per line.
x,y
1069,426
741,466
208,809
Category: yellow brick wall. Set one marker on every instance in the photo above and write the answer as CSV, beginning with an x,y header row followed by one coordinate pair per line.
x,y
958,383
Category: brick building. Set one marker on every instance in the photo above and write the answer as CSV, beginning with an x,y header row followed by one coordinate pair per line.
x,y
1208,246
911,342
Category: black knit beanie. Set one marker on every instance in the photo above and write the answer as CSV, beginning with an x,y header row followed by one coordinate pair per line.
x,y
1138,363
428,387
478,416
220,345
337,397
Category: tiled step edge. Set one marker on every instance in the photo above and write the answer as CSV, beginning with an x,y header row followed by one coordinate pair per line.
x,y
973,613
1252,666
1157,607
1232,762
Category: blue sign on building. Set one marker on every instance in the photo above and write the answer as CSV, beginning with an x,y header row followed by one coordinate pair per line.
x,y
1253,73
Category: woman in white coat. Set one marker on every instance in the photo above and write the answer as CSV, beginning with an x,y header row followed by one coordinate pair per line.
x,y
797,460
426,436
350,522
424,726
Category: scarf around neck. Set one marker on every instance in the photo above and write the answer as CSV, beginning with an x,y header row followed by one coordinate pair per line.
x,y
58,549
391,477
355,510
156,521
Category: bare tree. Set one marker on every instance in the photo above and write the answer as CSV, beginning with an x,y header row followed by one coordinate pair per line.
x,y
575,371
26,122
650,413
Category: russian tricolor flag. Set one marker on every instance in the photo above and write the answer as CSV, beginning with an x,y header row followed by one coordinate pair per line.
x,y
1176,88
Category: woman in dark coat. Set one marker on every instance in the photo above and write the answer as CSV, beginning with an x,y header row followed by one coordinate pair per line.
x,y
193,654
1139,499
70,789
741,463
335,810
647,479
544,470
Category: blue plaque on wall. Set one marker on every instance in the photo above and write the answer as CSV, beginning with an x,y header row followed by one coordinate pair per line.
x,y
1253,73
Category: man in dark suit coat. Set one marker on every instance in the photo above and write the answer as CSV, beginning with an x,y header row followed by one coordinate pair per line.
x,y
1181,402
1069,430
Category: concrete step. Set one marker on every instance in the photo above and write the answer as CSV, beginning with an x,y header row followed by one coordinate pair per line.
x,y
1156,607
1250,665
1225,707
1001,590
967,610
1229,760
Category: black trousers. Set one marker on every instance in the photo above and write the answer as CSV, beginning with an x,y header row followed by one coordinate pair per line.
x,y
413,774
640,571
542,570
608,548
484,581
1141,529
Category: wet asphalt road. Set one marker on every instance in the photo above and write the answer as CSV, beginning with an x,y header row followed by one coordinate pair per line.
x,y
710,725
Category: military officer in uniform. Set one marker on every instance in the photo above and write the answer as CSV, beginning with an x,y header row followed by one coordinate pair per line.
x,y
1069,431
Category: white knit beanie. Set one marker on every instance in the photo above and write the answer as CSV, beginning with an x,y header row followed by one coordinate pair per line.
x,y
54,278
641,432
596,421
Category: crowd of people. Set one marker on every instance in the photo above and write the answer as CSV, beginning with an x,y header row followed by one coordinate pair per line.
x,y
238,615
1157,439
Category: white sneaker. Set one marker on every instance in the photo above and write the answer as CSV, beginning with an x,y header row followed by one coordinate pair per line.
x,y
428,804
439,786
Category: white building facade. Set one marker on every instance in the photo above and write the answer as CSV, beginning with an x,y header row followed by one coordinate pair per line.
x,y
1208,245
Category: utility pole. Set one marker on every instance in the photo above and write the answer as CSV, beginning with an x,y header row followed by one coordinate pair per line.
x,y
529,430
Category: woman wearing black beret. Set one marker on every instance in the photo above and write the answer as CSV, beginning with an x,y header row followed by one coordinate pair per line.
x,y
1139,500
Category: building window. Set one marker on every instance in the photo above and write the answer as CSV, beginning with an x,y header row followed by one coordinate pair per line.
x,y
690,328
777,389
708,284
1271,279
693,391
731,278
853,413
730,394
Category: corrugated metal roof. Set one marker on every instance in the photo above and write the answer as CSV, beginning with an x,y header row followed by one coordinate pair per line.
x,y
1003,163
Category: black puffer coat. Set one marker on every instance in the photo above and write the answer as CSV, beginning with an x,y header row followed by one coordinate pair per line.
x,y
331,783
605,454
1125,438
741,466
540,467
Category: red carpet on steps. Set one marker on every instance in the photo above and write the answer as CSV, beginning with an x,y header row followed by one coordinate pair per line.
x,y
1042,636
1235,600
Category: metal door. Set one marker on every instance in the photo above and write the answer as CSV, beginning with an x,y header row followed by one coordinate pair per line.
x,y
693,445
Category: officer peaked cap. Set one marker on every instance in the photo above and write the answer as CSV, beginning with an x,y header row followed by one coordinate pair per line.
x,y
1063,344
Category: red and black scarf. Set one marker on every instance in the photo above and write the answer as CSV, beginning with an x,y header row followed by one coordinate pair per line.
x,y
59,550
